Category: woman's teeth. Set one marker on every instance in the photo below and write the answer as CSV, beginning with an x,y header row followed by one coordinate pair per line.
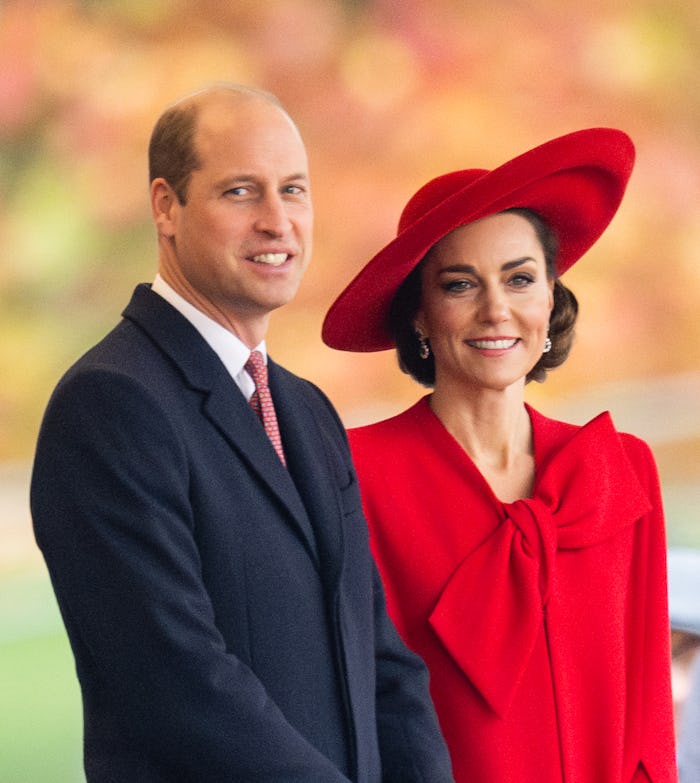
x,y
493,345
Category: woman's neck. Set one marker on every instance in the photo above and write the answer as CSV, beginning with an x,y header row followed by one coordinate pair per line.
x,y
494,429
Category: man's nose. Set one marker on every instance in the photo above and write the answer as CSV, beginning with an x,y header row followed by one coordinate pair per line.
x,y
272,217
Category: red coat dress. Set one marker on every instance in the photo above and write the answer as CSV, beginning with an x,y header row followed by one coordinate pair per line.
x,y
543,622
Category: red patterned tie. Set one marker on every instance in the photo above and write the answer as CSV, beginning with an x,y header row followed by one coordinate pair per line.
x,y
261,401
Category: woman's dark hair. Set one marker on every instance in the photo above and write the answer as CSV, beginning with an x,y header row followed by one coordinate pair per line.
x,y
406,303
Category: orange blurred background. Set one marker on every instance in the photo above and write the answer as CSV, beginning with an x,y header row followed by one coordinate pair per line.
x,y
387,93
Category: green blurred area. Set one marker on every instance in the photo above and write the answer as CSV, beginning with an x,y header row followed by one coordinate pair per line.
x,y
40,719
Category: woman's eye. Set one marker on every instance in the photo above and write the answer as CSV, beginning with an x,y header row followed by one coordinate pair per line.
x,y
522,280
456,286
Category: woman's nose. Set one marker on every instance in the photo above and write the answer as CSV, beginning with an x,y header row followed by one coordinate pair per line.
x,y
493,305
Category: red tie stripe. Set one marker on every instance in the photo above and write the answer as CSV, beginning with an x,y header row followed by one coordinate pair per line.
x,y
261,401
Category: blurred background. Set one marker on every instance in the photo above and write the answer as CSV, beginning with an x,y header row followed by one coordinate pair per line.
x,y
387,94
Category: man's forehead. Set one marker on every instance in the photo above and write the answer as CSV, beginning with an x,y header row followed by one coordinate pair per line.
x,y
246,123
220,108
261,133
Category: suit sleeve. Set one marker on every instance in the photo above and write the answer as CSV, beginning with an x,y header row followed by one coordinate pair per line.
x,y
411,743
112,517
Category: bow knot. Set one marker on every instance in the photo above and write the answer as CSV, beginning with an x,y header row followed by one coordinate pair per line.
x,y
535,534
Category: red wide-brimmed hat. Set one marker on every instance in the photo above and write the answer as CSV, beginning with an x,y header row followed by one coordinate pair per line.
x,y
575,183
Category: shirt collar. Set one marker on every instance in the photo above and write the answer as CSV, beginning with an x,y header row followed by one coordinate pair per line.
x,y
232,351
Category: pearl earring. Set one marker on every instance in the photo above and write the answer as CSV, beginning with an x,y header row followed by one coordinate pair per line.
x,y
424,350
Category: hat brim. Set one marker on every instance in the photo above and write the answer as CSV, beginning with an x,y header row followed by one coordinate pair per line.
x,y
575,183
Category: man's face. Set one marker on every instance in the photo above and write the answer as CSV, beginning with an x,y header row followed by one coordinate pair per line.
x,y
242,240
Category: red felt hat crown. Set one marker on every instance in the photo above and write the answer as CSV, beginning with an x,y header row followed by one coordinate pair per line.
x,y
574,182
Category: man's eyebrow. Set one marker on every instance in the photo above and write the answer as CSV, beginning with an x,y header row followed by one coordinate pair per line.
x,y
235,179
296,177
242,178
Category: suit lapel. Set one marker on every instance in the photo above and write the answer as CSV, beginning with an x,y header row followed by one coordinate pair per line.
x,y
230,413
315,471
224,404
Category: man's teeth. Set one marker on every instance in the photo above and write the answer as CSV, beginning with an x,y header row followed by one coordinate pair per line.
x,y
273,259
493,345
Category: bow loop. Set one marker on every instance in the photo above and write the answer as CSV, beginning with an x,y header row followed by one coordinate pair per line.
x,y
489,628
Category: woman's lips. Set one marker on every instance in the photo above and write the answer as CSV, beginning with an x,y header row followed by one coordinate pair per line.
x,y
499,344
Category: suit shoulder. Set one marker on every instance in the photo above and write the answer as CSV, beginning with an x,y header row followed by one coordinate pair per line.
x,y
117,349
122,379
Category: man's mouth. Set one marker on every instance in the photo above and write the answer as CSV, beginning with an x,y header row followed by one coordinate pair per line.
x,y
492,345
271,259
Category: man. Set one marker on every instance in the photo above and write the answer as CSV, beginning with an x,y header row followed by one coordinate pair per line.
x,y
224,612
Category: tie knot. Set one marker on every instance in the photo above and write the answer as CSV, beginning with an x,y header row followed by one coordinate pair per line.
x,y
256,368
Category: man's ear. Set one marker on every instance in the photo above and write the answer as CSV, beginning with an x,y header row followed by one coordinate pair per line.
x,y
164,204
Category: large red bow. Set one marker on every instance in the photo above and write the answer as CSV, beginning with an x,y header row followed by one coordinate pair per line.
x,y
491,609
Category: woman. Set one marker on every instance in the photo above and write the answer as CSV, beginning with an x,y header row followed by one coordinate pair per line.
x,y
523,558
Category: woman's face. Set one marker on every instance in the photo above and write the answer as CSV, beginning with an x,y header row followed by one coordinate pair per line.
x,y
485,303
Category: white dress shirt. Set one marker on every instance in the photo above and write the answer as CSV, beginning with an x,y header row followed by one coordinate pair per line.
x,y
230,349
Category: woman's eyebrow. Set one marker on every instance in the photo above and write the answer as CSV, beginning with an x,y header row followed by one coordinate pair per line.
x,y
469,269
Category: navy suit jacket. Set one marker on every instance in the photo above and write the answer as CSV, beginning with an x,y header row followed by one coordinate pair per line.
x,y
224,612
